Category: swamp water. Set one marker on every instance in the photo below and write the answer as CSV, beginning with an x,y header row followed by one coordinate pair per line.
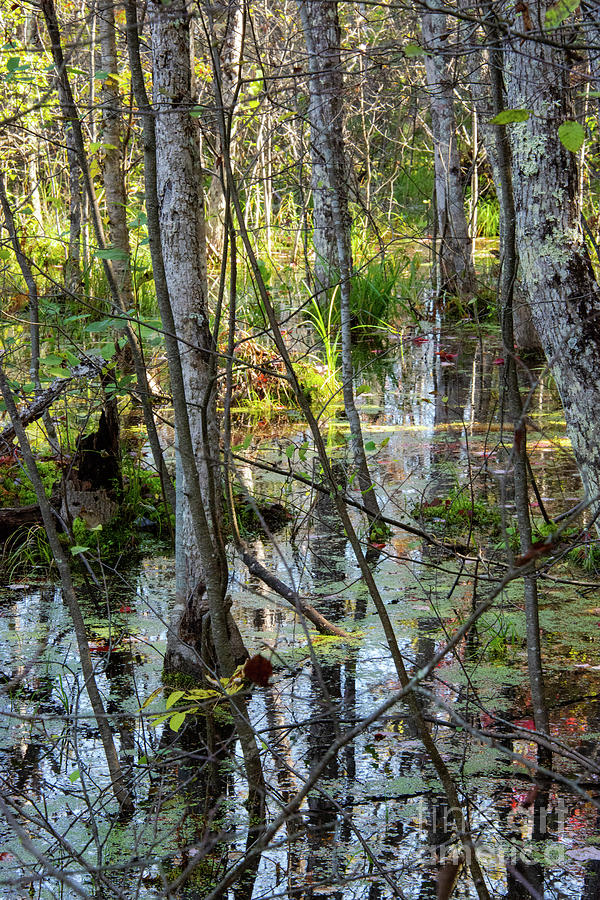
x,y
376,825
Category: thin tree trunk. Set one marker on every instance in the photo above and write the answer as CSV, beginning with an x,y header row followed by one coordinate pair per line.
x,y
201,559
325,112
34,310
330,203
230,53
116,775
73,279
112,170
69,111
519,451
457,274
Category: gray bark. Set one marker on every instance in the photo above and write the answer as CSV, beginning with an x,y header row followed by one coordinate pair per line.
x,y
321,29
556,270
73,263
113,175
200,559
455,254
480,77
511,384
325,112
227,83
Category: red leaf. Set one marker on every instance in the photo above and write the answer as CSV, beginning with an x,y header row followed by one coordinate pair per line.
x,y
498,362
258,669
125,609
525,724
420,340
446,357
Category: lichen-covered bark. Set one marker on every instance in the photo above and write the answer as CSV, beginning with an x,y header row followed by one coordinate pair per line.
x,y
556,270
199,561
321,30
456,260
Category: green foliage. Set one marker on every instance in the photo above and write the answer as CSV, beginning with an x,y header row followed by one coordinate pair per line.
x,y
375,297
572,135
26,552
457,513
16,488
510,116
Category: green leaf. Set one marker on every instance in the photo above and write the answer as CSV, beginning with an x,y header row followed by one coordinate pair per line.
x,y
411,50
12,63
173,698
572,135
74,775
370,445
302,451
196,111
289,451
98,327
78,548
247,441
384,443
51,359
559,11
176,721
361,389
5,254
112,253
101,75
508,116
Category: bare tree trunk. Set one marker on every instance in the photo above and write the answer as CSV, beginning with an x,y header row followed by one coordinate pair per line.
x,y
457,275
70,113
113,175
230,53
556,270
480,77
325,112
73,264
332,217
511,381
200,558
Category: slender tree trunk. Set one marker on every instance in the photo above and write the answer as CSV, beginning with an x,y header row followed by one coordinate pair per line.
x,y
230,53
200,563
113,175
456,258
333,254
325,112
34,309
73,263
556,269
511,380
70,113
116,774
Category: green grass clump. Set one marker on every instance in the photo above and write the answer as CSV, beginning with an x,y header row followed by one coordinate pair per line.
x,y
458,513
